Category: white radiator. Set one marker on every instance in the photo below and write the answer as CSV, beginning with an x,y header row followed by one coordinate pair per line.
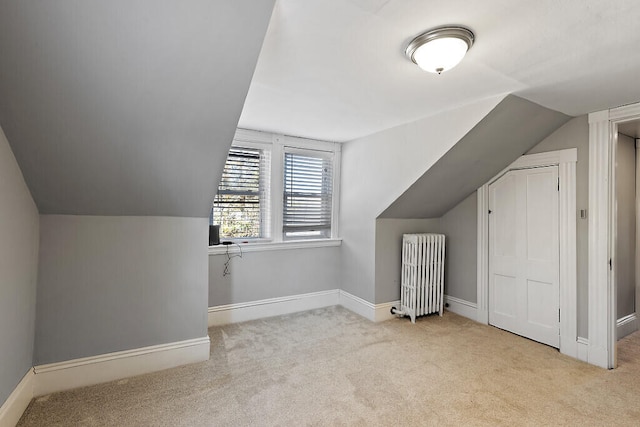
x,y
422,283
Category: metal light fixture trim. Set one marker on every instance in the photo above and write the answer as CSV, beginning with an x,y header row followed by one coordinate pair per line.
x,y
446,34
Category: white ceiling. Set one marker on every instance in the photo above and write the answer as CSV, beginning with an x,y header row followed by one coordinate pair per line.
x,y
335,69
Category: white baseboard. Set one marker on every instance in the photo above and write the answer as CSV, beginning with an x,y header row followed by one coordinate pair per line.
x,y
373,312
242,312
358,305
583,349
626,325
76,373
383,311
463,308
13,408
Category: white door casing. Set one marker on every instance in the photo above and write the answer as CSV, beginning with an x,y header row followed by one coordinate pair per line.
x,y
566,162
524,255
603,132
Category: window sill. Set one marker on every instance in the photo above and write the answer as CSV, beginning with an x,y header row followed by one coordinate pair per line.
x,y
273,246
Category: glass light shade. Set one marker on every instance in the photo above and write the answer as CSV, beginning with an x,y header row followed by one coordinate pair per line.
x,y
440,55
441,48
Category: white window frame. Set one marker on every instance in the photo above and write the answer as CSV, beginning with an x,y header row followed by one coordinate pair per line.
x,y
242,140
276,145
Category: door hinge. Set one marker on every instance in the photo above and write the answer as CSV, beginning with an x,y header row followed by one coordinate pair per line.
x,y
558,315
610,264
558,183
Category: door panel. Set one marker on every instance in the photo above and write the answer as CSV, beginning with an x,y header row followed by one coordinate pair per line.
x,y
523,254
505,296
540,304
505,197
538,216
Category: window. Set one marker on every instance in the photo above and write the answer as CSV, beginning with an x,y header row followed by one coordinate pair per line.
x,y
239,206
277,188
308,189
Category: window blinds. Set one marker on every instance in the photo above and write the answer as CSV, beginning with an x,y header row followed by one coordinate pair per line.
x,y
308,189
237,205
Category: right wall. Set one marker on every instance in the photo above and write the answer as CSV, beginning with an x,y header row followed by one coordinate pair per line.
x,y
375,171
460,225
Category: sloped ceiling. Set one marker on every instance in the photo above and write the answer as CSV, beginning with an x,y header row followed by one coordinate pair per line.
x,y
513,127
126,107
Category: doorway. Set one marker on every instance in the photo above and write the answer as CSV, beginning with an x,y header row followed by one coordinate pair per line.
x,y
524,254
603,257
626,265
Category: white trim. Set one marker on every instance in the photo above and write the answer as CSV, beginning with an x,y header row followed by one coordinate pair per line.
x,y
86,371
598,274
358,305
277,187
382,311
15,405
242,312
626,325
330,150
252,136
583,349
374,312
612,300
565,159
311,144
276,144
482,307
335,206
568,275
603,132
624,113
274,246
637,223
252,310
461,307
549,158
280,143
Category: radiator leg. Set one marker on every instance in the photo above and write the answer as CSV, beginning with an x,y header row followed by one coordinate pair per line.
x,y
397,312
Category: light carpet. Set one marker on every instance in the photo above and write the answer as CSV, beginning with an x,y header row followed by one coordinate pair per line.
x,y
333,367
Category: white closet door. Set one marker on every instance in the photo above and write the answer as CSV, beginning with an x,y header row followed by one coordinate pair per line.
x,y
524,254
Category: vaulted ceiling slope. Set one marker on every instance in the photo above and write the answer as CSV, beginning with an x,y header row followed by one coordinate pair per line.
x,y
513,127
126,107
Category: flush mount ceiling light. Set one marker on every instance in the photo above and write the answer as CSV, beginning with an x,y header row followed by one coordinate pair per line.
x,y
440,49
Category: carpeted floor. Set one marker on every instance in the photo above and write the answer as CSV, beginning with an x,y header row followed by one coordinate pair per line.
x,y
332,367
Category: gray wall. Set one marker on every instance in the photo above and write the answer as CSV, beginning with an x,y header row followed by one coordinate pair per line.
x,y
510,129
376,170
460,225
18,270
626,222
115,283
358,258
388,255
575,134
273,274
